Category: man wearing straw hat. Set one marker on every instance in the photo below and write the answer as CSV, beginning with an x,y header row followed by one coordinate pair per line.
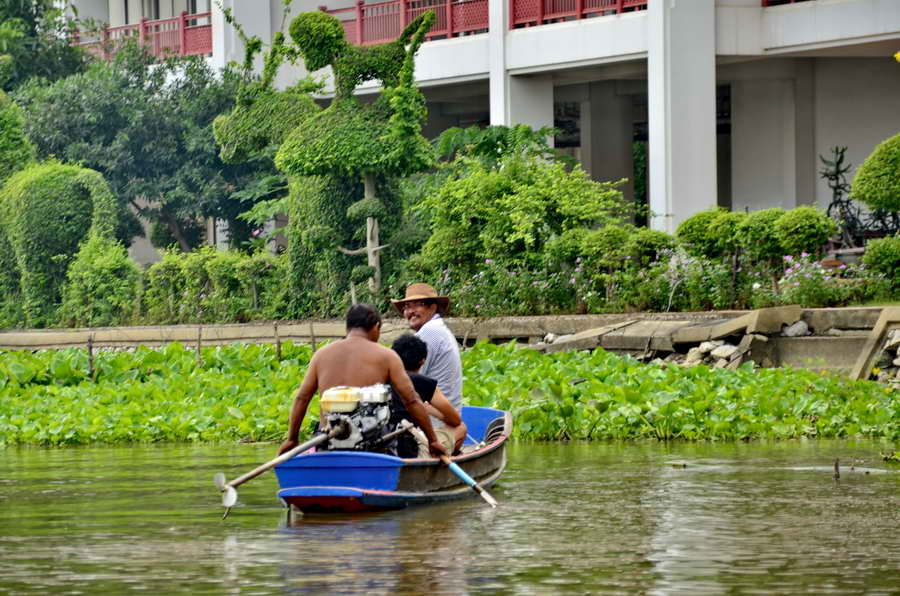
x,y
422,308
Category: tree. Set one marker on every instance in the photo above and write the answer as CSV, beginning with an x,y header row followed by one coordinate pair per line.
x,y
355,140
148,129
34,42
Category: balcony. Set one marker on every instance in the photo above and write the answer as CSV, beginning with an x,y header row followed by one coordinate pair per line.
x,y
527,13
368,24
184,35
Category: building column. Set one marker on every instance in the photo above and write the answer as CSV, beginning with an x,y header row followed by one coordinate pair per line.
x,y
254,17
499,89
681,96
607,133
763,154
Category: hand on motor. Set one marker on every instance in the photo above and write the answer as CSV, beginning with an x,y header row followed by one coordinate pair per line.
x,y
287,446
437,449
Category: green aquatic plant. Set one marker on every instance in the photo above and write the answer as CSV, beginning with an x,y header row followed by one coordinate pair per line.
x,y
243,393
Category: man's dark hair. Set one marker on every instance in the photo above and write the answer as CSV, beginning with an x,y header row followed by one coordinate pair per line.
x,y
362,316
411,349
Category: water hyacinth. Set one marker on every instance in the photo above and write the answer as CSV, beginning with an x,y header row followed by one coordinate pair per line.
x,y
244,392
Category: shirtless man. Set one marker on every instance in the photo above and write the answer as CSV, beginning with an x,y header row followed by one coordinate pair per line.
x,y
359,361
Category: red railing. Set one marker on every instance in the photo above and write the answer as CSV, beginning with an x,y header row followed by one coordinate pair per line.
x,y
184,35
525,13
367,24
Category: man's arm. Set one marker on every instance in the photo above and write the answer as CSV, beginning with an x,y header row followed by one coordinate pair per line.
x,y
404,387
301,403
444,409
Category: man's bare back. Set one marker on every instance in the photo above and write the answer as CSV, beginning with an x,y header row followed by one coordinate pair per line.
x,y
358,361
354,361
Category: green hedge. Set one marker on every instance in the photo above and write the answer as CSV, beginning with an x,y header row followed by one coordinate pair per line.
x,y
877,181
212,286
47,210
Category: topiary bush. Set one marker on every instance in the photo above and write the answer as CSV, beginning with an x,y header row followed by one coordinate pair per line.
x,y
693,233
877,181
47,210
757,238
883,256
644,246
103,286
722,231
604,248
804,229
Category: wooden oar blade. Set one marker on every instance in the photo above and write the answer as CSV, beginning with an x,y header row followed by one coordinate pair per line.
x,y
229,497
461,474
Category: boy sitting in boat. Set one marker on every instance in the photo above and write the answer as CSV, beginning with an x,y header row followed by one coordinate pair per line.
x,y
359,361
413,352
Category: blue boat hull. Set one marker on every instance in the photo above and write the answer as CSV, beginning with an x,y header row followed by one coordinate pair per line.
x,y
348,481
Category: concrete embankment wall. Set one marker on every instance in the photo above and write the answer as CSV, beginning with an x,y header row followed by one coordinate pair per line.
x,y
838,336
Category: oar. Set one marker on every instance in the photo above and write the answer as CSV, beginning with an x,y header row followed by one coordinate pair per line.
x,y
229,496
470,481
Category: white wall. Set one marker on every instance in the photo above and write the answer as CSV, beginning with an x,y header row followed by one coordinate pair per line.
x,y
856,106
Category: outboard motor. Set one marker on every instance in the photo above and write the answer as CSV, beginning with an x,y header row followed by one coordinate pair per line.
x,y
365,411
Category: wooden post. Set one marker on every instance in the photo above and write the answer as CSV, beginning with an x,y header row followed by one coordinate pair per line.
x,y
359,22
90,352
182,34
373,258
312,337
540,14
142,32
579,9
403,18
277,342
105,48
199,346
619,7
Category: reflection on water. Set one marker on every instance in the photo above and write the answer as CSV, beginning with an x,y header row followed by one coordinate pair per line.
x,y
574,518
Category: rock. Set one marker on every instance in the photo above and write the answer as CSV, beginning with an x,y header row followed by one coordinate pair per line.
x,y
724,351
896,362
798,329
735,363
721,363
550,338
893,340
708,346
694,356
560,338
835,332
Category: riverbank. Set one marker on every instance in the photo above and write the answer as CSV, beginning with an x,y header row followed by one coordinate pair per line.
x,y
243,393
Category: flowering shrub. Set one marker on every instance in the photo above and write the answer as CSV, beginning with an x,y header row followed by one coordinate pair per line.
x,y
807,282
501,290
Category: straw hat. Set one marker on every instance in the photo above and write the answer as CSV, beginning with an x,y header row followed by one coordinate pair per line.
x,y
419,291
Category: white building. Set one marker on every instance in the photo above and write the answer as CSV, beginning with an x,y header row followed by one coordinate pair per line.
x,y
737,98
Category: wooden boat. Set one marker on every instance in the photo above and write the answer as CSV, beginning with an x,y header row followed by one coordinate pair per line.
x,y
345,481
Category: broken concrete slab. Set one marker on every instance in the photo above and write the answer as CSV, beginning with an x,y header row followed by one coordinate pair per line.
x,y
643,336
763,320
821,320
585,340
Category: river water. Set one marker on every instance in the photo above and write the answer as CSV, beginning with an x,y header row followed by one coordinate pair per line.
x,y
573,518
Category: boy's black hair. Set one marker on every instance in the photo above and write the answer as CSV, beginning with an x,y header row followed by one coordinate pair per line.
x,y
411,349
362,316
